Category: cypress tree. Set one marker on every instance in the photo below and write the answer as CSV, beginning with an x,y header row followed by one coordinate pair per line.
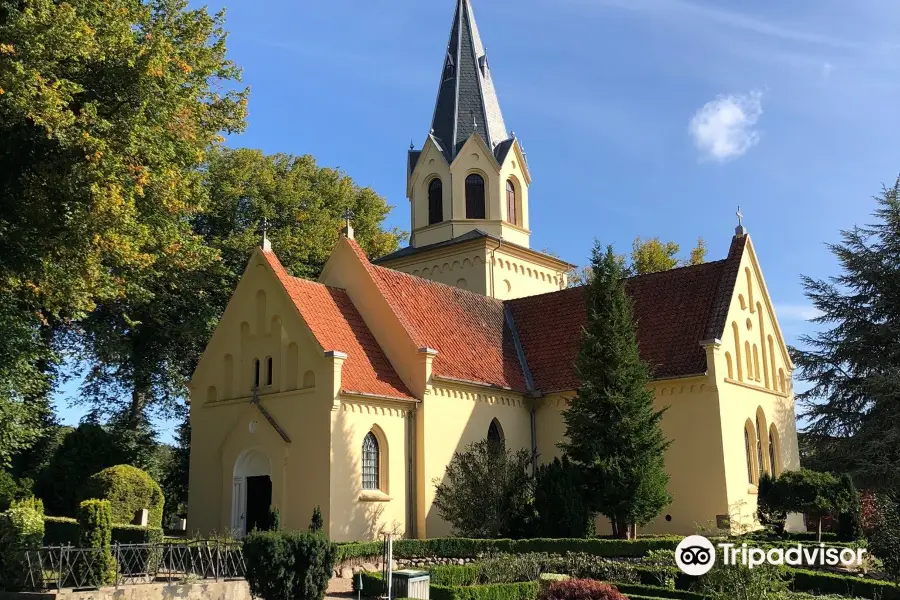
x,y
613,429
852,362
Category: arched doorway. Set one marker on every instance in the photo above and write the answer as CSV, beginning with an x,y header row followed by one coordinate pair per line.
x,y
251,493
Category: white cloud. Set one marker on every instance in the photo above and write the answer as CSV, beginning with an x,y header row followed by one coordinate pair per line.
x,y
724,128
796,312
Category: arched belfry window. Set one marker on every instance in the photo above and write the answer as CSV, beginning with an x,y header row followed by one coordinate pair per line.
x,y
475,196
435,202
511,215
370,460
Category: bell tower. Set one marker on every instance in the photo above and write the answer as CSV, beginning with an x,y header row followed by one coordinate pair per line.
x,y
468,183
470,172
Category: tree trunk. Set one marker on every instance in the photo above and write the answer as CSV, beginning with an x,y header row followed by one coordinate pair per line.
x,y
820,528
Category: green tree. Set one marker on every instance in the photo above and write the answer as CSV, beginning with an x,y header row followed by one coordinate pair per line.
x,y
612,427
316,523
817,494
851,363
174,482
145,349
653,255
559,501
486,493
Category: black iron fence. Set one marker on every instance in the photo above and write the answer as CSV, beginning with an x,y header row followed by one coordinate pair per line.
x,y
57,567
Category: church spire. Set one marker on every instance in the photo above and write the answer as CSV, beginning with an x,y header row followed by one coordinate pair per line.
x,y
466,101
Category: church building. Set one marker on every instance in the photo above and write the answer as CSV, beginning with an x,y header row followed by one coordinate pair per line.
x,y
353,393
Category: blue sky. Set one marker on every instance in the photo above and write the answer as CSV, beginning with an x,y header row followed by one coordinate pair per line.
x,y
639,117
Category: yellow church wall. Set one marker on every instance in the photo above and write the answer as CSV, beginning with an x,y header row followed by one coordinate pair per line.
x,y
462,267
693,461
455,415
755,380
259,322
516,274
358,514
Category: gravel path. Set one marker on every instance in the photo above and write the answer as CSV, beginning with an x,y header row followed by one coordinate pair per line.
x,y
339,588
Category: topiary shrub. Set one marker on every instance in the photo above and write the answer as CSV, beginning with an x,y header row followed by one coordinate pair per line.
x,y
316,523
562,511
97,568
273,522
288,565
128,490
21,527
580,589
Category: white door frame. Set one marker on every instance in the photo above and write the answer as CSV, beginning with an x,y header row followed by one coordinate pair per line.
x,y
250,463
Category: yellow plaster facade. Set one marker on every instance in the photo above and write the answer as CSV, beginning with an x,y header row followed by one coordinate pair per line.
x,y
370,458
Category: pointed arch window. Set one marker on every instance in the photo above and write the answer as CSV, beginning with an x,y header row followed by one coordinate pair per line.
x,y
370,459
511,215
495,437
759,448
475,196
773,450
435,201
748,452
256,373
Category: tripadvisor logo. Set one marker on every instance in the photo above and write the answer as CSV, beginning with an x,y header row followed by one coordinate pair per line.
x,y
696,555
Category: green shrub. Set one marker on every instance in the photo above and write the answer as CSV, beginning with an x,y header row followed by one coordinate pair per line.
x,y
512,568
473,548
660,564
288,565
821,582
649,591
21,527
580,589
562,511
128,490
95,531
499,591
727,582
60,531
12,489
316,523
770,506
850,519
135,534
884,541
274,522
487,492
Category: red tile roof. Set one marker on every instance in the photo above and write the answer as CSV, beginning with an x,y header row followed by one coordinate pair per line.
x,y
337,325
674,310
468,330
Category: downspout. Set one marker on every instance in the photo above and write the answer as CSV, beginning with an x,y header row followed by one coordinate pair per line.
x,y
533,441
411,474
532,390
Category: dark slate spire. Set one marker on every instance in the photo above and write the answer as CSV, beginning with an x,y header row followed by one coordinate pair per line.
x,y
466,102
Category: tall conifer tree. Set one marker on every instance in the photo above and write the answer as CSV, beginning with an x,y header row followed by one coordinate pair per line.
x,y
612,426
853,363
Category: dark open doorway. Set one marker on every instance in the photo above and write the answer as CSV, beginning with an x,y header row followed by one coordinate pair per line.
x,y
259,499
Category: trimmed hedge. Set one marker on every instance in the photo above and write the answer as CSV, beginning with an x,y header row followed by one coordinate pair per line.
x,y
653,591
63,531
21,527
472,548
497,591
128,490
822,582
